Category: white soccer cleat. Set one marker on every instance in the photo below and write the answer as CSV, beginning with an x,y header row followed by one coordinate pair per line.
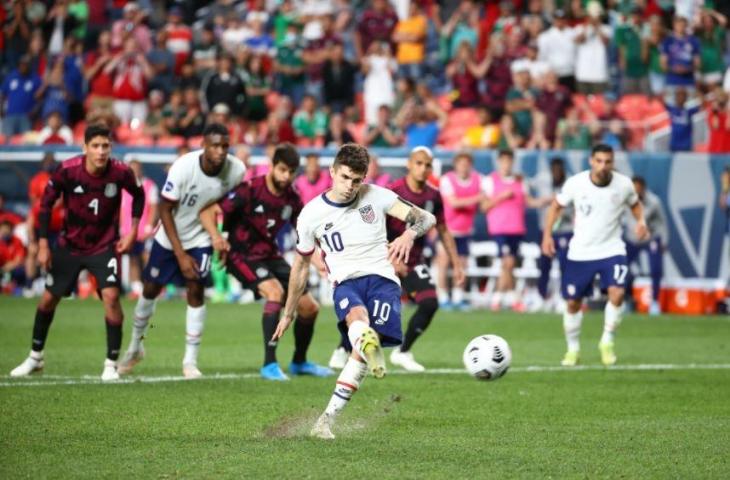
x,y
32,364
131,358
323,428
339,358
191,372
406,361
110,373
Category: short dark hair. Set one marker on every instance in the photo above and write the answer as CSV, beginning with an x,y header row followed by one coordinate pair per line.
x,y
215,129
505,152
639,179
601,148
463,154
353,156
287,154
557,161
97,130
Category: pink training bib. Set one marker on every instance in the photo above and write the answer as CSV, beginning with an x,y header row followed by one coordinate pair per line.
x,y
507,218
460,221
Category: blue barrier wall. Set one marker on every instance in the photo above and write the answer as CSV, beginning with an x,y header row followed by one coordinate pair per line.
x,y
688,184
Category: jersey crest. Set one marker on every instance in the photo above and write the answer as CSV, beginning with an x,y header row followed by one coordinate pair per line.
x,y
110,191
367,214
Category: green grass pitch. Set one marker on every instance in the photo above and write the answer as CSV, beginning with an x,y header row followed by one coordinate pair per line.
x,y
664,412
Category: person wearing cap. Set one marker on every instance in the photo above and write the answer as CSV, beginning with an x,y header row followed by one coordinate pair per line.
x,y
519,121
591,61
18,95
557,47
132,25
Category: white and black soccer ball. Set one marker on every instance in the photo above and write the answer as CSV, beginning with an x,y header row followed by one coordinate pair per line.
x,y
487,357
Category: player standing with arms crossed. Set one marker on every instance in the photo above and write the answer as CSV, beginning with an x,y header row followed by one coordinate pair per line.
x,y
599,196
91,185
348,222
181,252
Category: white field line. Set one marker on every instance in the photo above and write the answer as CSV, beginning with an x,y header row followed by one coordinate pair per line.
x,y
53,380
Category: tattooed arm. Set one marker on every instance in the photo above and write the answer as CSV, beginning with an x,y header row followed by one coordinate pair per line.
x,y
419,222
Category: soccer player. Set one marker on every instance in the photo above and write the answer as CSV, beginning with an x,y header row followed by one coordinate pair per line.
x,y
654,247
348,222
253,214
599,196
91,185
181,251
415,275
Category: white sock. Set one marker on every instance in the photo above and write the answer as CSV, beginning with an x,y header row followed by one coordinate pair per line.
x,y
497,298
509,298
457,295
142,313
354,334
612,319
194,321
571,326
442,295
37,356
347,384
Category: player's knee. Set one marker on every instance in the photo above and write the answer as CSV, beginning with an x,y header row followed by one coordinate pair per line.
x,y
359,314
195,294
272,291
308,308
150,290
110,296
428,306
616,296
48,302
573,306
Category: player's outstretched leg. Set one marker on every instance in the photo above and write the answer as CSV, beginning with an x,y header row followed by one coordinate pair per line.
x,y
347,384
421,319
613,315
572,320
142,313
43,317
303,331
365,341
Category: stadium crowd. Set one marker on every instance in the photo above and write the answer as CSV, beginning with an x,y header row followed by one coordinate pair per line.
x,y
492,74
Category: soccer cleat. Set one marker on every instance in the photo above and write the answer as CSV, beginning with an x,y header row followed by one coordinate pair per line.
x,y
608,357
131,358
191,372
29,366
406,361
339,358
309,368
323,427
272,371
446,306
110,373
570,359
373,353
655,309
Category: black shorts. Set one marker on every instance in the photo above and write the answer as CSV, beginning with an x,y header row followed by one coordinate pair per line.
x,y
252,272
418,283
65,269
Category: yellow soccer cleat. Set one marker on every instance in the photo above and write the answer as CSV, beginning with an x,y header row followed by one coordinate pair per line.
x,y
608,357
570,359
373,353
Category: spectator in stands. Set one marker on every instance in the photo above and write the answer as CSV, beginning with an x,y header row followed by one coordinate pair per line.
x,y
289,66
234,34
680,115
378,67
58,25
557,47
680,56
172,112
384,133
18,92
518,122
652,44
499,74
259,42
591,61
17,29
55,132
633,55
464,73
314,181
162,61
80,10
12,256
53,94
609,128
337,132
154,125
424,128
284,18
131,73
224,86
718,122
317,51
258,86
100,83
279,128
376,24
179,37
410,37
374,175
310,123
192,122
339,77
462,26
711,35
485,134
573,134
132,26
553,101
37,53
205,52
538,68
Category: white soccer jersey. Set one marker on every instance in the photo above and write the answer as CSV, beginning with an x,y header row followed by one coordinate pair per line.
x,y
194,190
352,236
598,213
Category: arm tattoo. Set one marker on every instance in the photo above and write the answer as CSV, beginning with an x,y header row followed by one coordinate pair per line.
x,y
420,221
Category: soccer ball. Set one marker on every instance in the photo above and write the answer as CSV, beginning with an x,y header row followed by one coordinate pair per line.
x,y
487,357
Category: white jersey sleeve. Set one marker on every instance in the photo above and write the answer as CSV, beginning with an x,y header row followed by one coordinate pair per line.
x,y
383,198
175,182
566,195
305,233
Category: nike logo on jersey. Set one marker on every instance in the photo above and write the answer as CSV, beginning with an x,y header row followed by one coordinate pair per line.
x,y
328,226
79,189
259,209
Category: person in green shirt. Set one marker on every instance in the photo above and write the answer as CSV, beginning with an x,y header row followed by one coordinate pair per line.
x,y
651,49
572,133
289,66
285,17
712,41
633,59
520,106
79,10
309,122
258,85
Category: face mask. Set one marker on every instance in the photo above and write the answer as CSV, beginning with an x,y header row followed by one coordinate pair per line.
x,y
290,38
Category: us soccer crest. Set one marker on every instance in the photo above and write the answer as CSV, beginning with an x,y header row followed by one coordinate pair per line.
x,y
110,191
367,213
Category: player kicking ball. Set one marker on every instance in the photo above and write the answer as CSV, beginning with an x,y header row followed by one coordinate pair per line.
x,y
91,186
348,222
599,196
253,214
181,252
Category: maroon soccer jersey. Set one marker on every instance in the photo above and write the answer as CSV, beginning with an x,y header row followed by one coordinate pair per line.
x,y
92,204
253,216
430,200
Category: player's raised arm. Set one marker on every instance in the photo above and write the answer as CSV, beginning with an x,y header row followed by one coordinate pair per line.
x,y
297,283
420,221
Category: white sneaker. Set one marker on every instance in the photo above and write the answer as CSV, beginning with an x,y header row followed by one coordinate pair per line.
x,y
323,427
654,308
110,371
32,364
131,358
339,358
406,361
191,372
